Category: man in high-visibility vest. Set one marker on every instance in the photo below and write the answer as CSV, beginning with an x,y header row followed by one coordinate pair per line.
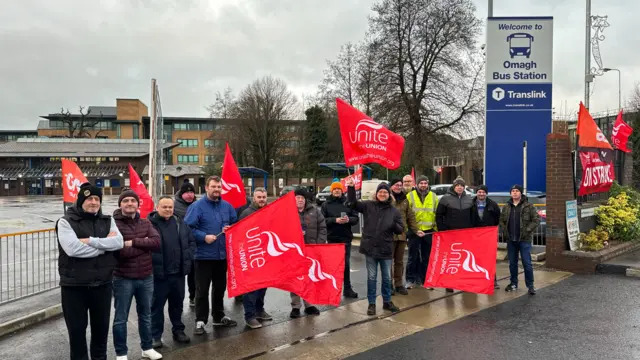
x,y
424,204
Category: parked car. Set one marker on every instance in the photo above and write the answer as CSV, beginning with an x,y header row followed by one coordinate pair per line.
x,y
442,189
288,188
539,200
322,196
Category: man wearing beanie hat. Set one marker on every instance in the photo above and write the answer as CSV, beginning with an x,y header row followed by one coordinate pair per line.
x,y
314,229
424,204
88,242
518,221
133,277
340,218
183,199
400,240
455,209
381,222
486,212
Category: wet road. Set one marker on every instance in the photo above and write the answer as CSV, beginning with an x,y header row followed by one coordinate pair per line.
x,y
581,318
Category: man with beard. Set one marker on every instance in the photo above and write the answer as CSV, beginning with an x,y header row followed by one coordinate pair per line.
x,y
208,219
253,302
340,218
133,277
407,184
424,204
183,199
486,213
400,240
87,244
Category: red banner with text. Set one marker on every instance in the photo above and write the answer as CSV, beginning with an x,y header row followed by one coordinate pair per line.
x,y
598,173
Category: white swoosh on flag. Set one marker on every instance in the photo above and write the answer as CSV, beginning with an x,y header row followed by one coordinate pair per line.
x,y
370,123
275,247
316,274
470,265
228,187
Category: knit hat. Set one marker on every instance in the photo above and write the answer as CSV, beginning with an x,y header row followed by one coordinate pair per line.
x,y
483,188
187,187
395,180
87,190
301,192
459,181
517,187
336,185
422,178
383,186
126,194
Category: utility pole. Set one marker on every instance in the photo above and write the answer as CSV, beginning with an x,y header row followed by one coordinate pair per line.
x,y
152,141
588,77
490,6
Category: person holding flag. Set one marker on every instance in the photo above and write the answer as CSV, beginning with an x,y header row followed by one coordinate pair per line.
x,y
208,219
381,222
486,212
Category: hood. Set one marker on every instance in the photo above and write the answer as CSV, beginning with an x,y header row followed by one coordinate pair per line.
x,y
332,199
117,214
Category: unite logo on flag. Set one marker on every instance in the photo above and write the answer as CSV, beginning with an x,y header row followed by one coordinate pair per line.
x,y
366,134
253,256
463,260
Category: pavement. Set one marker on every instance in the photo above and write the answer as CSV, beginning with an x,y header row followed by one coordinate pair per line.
x,y
336,333
627,264
583,317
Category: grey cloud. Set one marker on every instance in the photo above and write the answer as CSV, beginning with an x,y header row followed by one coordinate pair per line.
x,y
69,53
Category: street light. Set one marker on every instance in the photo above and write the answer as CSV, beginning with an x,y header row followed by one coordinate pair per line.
x,y
619,86
273,166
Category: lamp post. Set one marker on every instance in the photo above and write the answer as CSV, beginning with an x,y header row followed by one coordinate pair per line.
x,y
619,86
490,8
273,166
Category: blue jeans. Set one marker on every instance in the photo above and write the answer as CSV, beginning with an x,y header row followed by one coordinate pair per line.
x,y
524,249
253,303
418,260
124,290
372,279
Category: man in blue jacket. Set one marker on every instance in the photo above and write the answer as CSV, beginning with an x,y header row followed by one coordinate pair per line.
x,y
208,218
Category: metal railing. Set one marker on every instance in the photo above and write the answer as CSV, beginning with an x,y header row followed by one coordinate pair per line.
x,y
539,235
28,264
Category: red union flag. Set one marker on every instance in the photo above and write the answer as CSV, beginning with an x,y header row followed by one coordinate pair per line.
x,y
146,201
463,260
322,285
232,186
263,250
365,141
598,172
72,178
620,134
357,180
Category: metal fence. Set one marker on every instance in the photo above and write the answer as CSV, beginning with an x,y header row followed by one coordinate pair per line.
x,y
539,236
28,264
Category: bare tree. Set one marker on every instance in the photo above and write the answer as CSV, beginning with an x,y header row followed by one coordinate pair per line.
x,y
634,101
221,107
341,76
258,113
79,125
427,55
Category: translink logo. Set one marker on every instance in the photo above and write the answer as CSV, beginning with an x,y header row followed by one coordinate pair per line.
x,y
498,94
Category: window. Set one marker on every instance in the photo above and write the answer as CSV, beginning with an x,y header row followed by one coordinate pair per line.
x,y
188,143
188,159
206,127
213,143
118,131
179,126
209,159
219,127
193,127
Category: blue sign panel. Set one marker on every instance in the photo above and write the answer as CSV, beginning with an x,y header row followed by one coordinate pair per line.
x,y
518,101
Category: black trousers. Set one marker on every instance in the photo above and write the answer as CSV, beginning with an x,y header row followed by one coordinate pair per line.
x,y
210,273
76,302
191,281
170,289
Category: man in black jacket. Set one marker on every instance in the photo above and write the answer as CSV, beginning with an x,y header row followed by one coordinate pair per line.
x,y
380,223
88,242
454,209
340,218
253,302
486,212
170,265
184,198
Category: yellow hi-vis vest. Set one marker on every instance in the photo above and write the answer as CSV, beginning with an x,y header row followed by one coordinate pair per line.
x,y
425,211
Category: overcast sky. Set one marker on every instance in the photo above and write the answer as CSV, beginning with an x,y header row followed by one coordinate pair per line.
x,y
73,52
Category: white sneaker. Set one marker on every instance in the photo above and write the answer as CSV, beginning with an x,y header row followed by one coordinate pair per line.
x,y
151,354
121,357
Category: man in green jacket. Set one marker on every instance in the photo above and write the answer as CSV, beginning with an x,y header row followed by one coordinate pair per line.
x,y
519,220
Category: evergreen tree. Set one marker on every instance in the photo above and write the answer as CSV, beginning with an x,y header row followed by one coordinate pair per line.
x,y
316,138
